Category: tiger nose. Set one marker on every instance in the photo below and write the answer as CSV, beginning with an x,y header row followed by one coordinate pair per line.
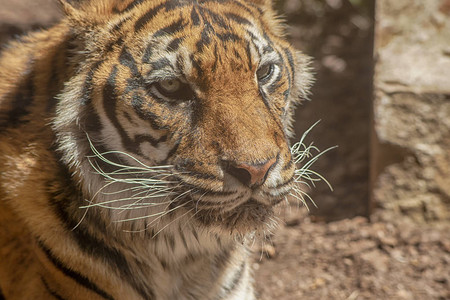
x,y
251,175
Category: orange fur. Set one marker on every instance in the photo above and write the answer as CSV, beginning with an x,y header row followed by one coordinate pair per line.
x,y
91,79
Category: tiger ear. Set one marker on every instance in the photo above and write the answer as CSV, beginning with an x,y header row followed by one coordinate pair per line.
x,y
67,8
263,3
87,12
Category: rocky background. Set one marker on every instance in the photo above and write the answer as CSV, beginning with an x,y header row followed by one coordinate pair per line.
x,y
411,147
382,93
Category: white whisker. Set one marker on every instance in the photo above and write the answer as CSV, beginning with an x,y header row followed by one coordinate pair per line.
x,y
133,187
187,212
304,175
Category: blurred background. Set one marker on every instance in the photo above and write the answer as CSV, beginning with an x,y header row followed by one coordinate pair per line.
x,y
382,93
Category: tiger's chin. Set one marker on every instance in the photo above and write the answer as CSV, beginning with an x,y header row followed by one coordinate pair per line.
x,y
249,217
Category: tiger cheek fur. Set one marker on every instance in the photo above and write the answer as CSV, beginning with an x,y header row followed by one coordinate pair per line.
x,y
142,145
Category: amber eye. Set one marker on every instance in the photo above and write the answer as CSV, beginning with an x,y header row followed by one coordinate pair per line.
x,y
264,72
169,86
171,89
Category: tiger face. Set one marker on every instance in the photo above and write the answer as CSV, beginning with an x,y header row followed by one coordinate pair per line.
x,y
185,111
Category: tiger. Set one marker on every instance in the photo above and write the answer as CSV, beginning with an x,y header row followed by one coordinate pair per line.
x,y
143,147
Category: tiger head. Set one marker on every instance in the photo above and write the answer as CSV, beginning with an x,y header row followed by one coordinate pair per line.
x,y
180,110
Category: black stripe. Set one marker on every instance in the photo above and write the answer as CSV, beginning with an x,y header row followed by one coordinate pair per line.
x,y
91,120
249,57
180,63
238,19
137,103
50,291
110,99
150,14
174,44
172,151
201,12
205,38
132,5
53,81
268,49
134,84
290,61
196,65
265,99
127,60
160,64
210,16
79,278
289,75
253,38
172,4
286,95
257,7
276,83
248,10
119,25
2,297
216,58
237,54
288,165
21,100
195,17
87,86
147,17
93,246
141,138
147,53
110,47
217,19
175,27
272,114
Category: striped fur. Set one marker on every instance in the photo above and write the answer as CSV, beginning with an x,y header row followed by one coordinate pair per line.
x,y
120,130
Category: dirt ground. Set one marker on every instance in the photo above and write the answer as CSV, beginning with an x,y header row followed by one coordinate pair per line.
x,y
387,258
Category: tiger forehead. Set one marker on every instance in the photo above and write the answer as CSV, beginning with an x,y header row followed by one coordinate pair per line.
x,y
208,30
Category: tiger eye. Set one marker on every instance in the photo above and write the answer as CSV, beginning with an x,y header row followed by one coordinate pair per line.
x,y
264,72
170,85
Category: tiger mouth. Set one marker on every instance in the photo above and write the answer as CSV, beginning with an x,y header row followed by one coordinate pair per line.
x,y
248,216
